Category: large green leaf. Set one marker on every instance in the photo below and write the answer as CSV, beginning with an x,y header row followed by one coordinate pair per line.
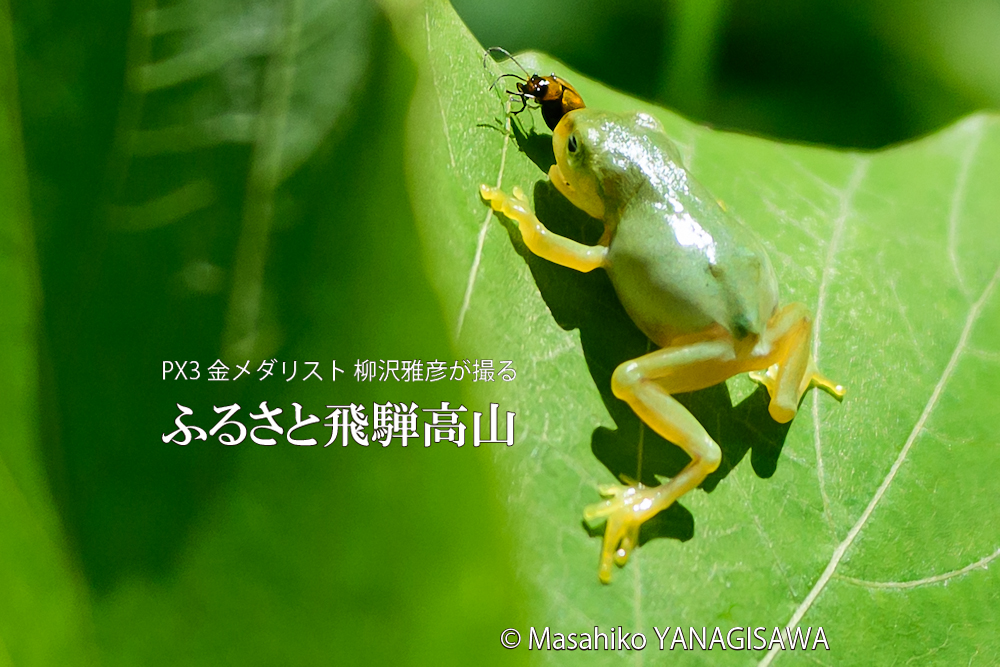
x,y
877,521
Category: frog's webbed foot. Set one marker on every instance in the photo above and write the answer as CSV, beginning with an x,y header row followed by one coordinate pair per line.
x,y
794,371
624,509
515,206
769,378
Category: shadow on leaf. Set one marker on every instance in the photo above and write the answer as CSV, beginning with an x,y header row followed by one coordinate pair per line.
x,y
536,147
587,301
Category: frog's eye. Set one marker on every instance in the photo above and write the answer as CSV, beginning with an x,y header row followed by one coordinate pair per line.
x,y
571,143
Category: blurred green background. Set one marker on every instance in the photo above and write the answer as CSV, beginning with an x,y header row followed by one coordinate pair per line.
x,y
173,151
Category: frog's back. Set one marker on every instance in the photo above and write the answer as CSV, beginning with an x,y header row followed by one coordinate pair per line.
x,y
680,264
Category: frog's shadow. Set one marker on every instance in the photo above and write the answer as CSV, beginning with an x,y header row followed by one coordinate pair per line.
x,y
587,301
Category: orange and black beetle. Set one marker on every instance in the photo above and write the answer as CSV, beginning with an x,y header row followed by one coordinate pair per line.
x,y
554,95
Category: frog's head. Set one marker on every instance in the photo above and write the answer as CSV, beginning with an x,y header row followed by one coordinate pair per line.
x,y
602,158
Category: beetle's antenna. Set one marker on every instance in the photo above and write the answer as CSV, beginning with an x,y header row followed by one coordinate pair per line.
x,y
515,76
506,53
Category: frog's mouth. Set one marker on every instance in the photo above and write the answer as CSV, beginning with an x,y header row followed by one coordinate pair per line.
x,y
593,206
562,185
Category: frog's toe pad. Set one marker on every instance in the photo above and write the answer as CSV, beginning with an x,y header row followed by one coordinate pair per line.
x,y
829,386
491,194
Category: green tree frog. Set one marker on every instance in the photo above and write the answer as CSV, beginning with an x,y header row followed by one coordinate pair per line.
x,y
692,277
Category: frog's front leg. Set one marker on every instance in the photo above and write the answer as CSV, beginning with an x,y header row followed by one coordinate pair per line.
x,y
792,370
542,242
646,384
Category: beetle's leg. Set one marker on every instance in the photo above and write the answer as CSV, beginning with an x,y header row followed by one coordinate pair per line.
x,y
791,369
542,242
646,384
520,98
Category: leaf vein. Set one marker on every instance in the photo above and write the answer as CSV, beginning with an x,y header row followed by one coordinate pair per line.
x,y
438,88
957,199
243,311
846,199
470,282
980,564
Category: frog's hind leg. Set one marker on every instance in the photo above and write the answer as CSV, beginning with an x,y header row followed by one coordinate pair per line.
x,y
646,384
791,369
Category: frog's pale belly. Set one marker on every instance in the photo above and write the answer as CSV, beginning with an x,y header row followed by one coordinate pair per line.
x,y
672,289
661,311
